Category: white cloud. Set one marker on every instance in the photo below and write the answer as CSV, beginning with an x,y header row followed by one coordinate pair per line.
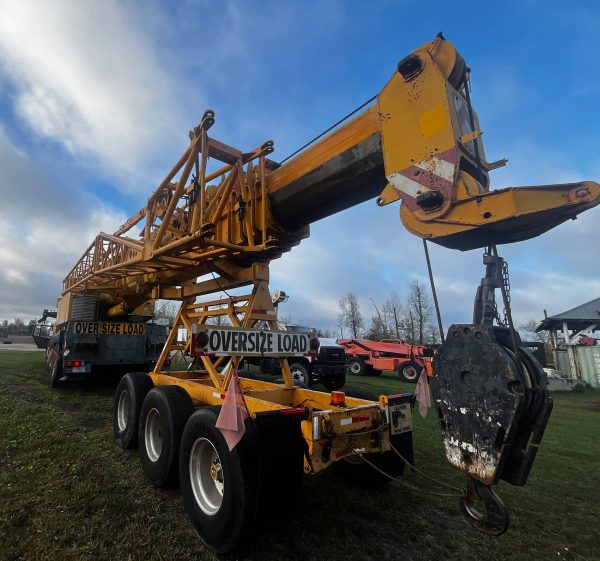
x,y
86,76
43,233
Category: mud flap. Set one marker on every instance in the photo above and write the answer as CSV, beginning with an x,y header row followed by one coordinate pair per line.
x,y
399,411
281,449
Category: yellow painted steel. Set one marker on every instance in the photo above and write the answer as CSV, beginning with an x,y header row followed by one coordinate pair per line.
x,y
345,137
203,233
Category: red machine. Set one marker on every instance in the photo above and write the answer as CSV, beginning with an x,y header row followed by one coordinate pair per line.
x,y
370,358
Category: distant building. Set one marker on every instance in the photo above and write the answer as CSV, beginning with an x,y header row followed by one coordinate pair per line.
x,y
575,335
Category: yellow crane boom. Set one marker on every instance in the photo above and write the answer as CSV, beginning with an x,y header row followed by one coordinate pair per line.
x,y
419,141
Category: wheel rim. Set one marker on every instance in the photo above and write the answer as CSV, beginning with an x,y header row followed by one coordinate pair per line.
x,y
153,435
410,372
206,476
123,410
354,367
297,375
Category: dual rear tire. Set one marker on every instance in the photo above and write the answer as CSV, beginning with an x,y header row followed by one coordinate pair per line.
x,y
163,416
153,419
225,493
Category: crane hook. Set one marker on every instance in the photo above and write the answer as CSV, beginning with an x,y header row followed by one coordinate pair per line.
x,y
494,518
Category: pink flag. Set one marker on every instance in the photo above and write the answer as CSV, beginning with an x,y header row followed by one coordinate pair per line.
x,y
233,413
422,394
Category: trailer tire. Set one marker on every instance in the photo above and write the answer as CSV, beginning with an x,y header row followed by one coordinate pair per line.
x,y
409,372
357,472
163,416
219,487
129,397
357,367
334,383
301,373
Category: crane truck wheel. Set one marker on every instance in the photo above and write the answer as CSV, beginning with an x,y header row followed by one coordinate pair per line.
x,y
357,472
219,487
409,372
164,414
357,367
129,397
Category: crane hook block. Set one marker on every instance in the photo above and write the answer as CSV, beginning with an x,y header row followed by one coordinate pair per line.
x,y
493,406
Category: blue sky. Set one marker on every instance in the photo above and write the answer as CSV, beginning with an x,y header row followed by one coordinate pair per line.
x,y
96,99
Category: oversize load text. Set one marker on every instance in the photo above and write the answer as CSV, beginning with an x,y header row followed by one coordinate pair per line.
x,y
108,328
233,342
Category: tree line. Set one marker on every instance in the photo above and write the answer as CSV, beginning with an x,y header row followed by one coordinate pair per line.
x,y
409,319
16,327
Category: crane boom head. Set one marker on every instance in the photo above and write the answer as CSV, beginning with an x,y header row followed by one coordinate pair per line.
x,y
435,161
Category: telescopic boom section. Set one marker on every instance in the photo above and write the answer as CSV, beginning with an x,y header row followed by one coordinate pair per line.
x,y
420,142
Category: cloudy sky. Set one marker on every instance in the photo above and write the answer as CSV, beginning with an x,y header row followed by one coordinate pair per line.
x,y
96,99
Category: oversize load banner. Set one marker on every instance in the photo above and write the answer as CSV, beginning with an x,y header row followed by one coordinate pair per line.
x,y
253,342
108,328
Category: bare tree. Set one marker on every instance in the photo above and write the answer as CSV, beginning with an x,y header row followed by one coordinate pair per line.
x,y
378,330
285,319
350,315
530,326
340,325
166,309
392,311
379,325
419,311
218,320
432,335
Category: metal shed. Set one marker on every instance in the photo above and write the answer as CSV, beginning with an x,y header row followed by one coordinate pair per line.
x,y
576,350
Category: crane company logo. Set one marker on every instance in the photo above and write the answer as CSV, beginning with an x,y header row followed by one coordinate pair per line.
x,y
108,328
240,342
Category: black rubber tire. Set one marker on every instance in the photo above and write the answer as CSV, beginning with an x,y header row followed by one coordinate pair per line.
x,y
409,372
55,375
137,385
174,407
357,367
303,373
334,383
230,526
360,474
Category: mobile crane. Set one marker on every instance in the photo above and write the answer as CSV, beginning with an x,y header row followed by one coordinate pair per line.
x,y
205,232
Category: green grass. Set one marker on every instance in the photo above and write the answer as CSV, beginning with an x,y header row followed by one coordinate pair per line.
x,y
68,492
